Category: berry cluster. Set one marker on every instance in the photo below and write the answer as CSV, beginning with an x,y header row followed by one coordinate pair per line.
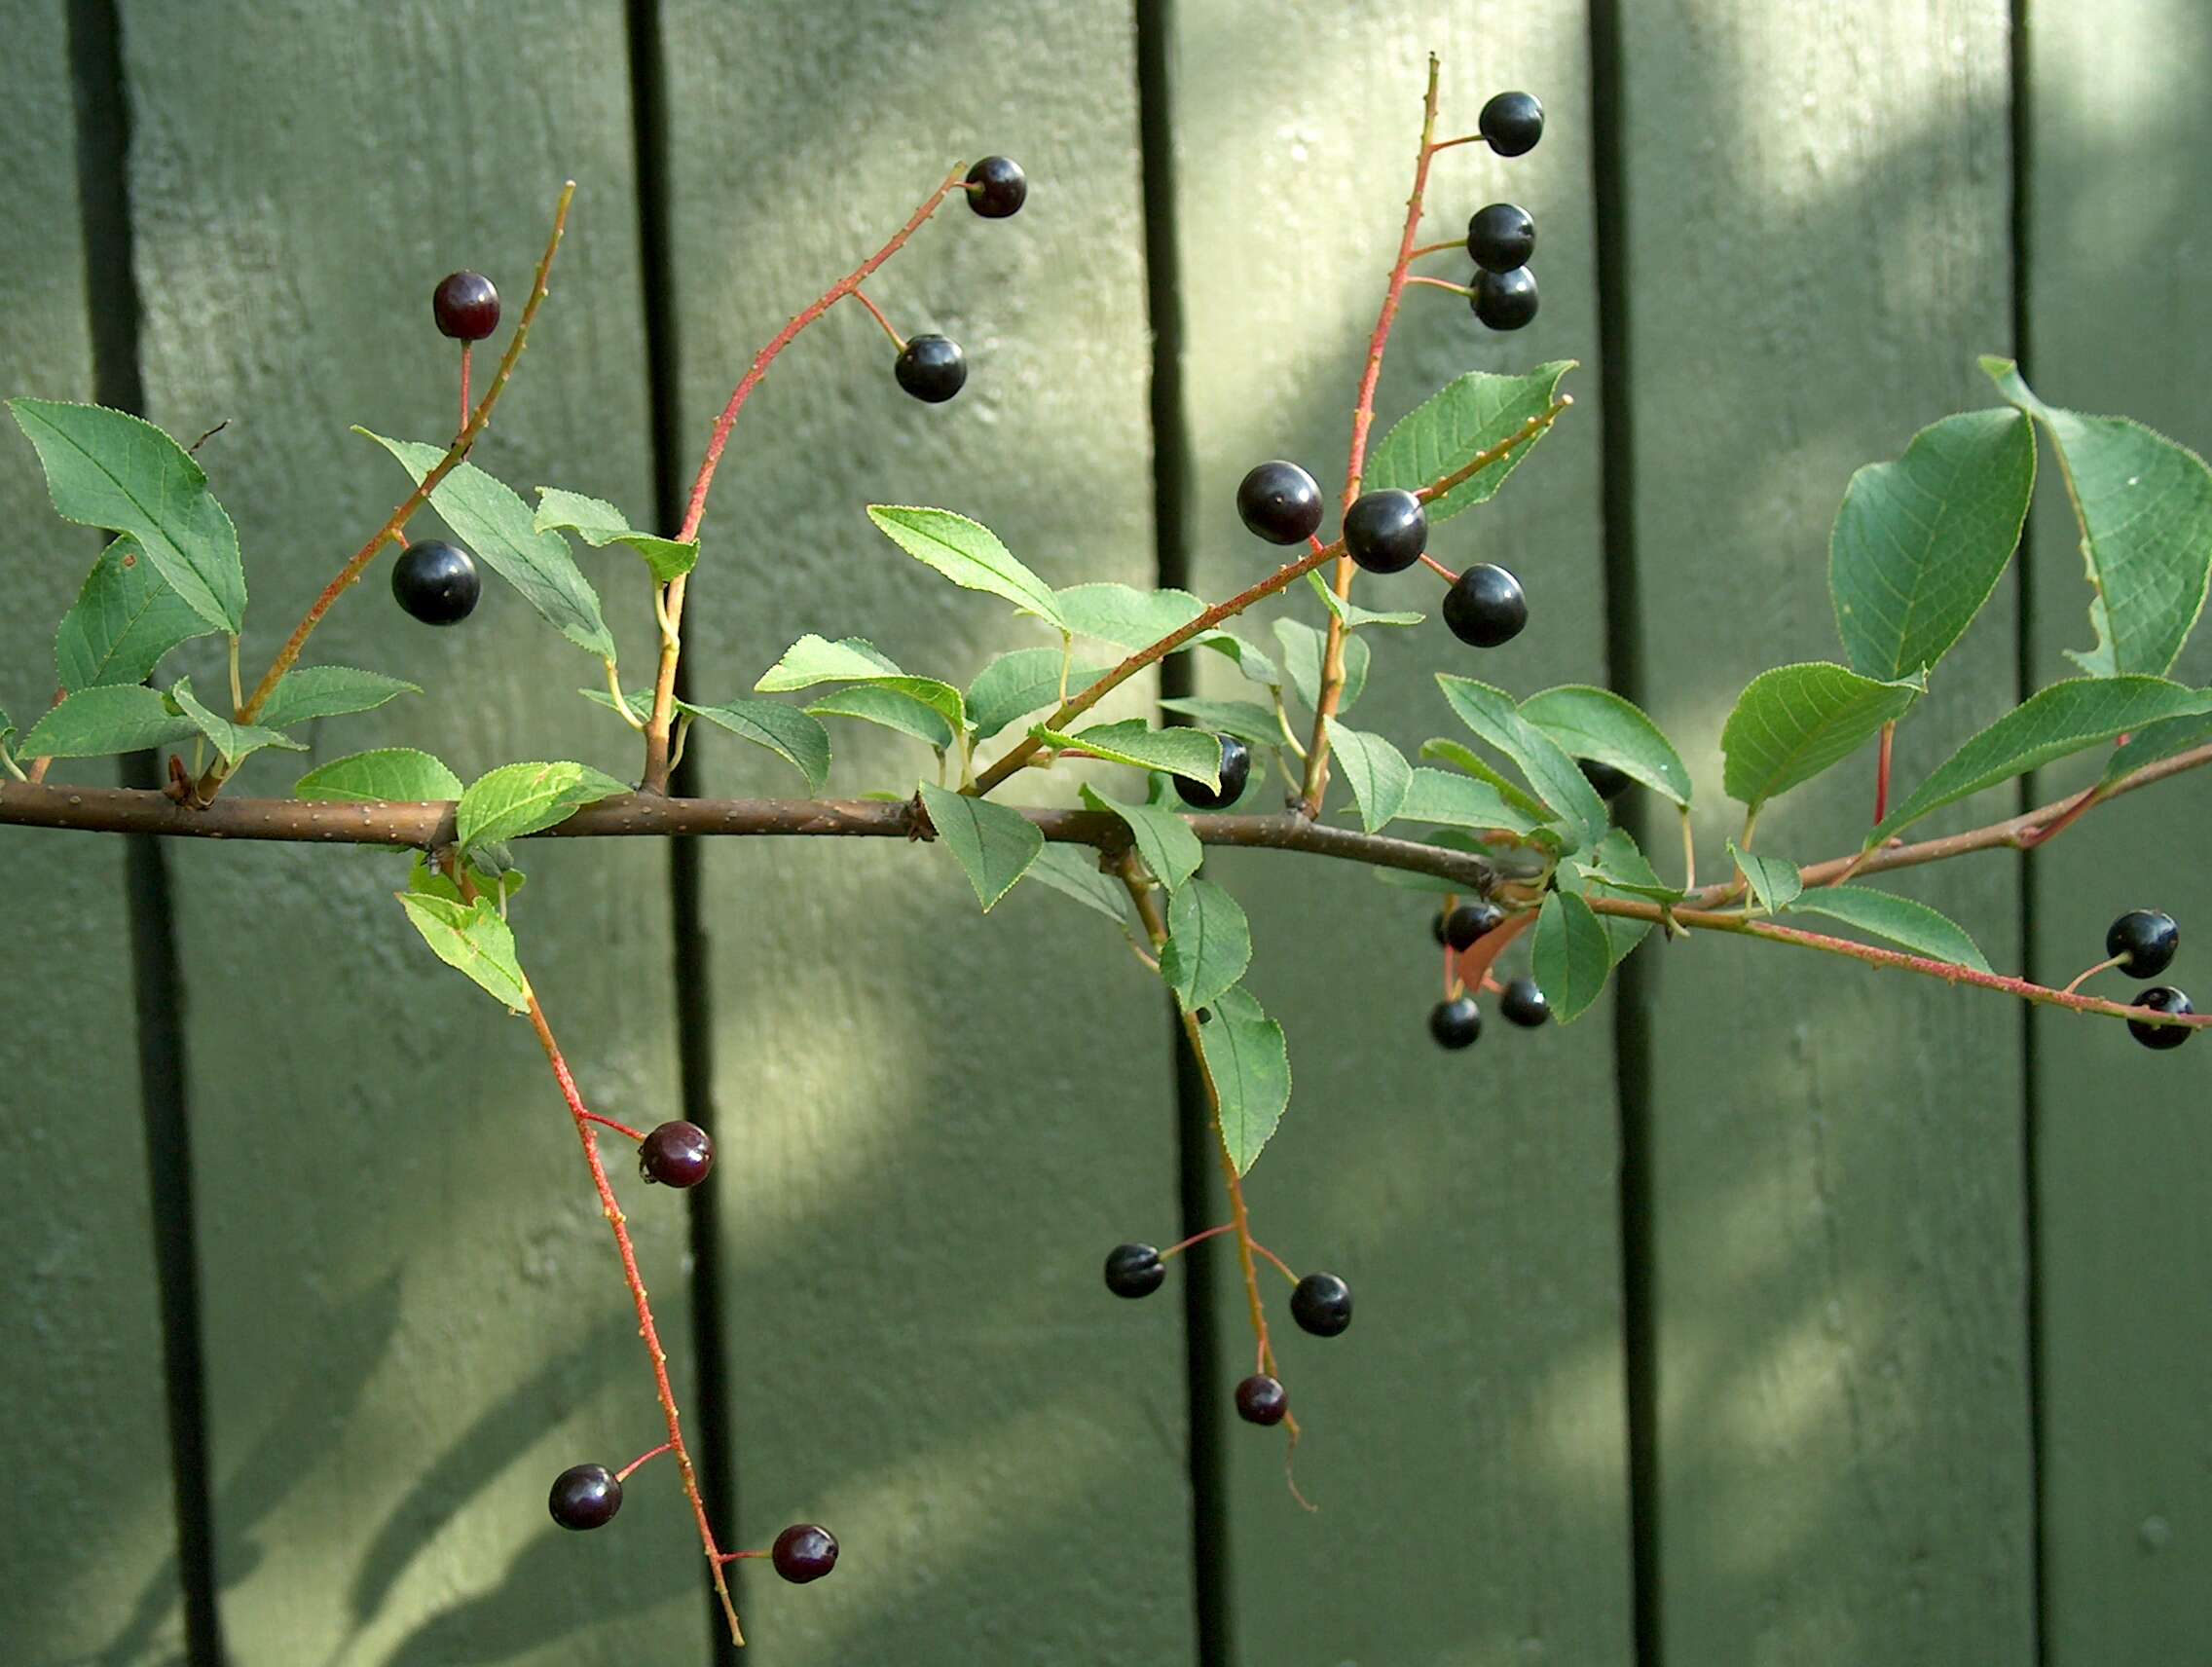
x,y
2142,943
1502,237
1456,1021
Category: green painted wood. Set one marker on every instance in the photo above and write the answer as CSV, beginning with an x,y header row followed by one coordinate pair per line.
x,y
2122,1161
1817,234
91,1549
934,1124
1465,1441
413,1319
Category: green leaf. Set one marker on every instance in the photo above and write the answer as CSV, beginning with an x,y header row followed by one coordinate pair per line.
x,y
994,844
1125,616
1246,719
115,718
1073,872
813,660
1191,753
1378,772
1025,681
640,701
599,523
2065,718
1248,1063
1209,944
236,742
1245,654
1466,418
1573,957
1596,723
126,618
2155,741
1163,839
1903,921
875,703
107,468
794,737
1795,722
1461,756
969,555
1919,544
2144,505
1439,795
398,774
1350,612
515,800
1773,880
496,525
1558,781
1616,854
328,691
1303,646
473,940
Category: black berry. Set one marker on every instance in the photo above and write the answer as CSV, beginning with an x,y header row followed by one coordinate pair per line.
x,y
1610,781
1279,502
676,1155
1524,1004
1485,605
1505,300
1323,1305
1235,771
804,1551
1455,1024
585,1495
1501,236
1469,921
1134,1270
1386,532
1002,187
436,583
2162,998
1436,927
931,368
2145,940
466,306
1260,1399
1512,123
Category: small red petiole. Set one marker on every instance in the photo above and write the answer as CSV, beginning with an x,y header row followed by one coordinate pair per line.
x,y
738,1556
623,1475
1440,284
1439,569
610,1123
1437,249
876,313
1463,139
1281,1265
1882,774
465,347
1197,1238
2091,972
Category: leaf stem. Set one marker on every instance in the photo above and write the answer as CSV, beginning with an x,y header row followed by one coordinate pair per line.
x,y
876,313
1881,772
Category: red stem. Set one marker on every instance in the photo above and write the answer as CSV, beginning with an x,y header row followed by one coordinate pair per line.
x,y
1882,774
619,1127
623,1475
876,313
465,347
1197,1238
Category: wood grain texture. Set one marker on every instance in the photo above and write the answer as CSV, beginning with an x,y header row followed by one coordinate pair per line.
x,y
1817,234
2116,211
1465,1440
88,1551
934,1124
413,1317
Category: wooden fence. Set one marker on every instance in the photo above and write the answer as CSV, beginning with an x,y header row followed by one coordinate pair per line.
x,y
1774,1313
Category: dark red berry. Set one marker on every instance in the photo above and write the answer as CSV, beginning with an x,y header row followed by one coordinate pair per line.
x,y
2161,998
1260,1399
1484,607
1524,1004
1235,771
1002,187
804,1551
1610,781
676,1155
1471,922
585,1495
931,368
1501,236
1279,502
1512,123
1455,1024
1387,531
1505,300
1321,1305
1134,1270
2145,940
436,583
466,306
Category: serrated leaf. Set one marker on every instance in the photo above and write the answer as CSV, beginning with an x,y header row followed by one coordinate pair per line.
x,y
599,523
1573,958
1073,872
1248,1063
874,703
1209,944
1591,723
329,691
1378,772
115,718
236,742
126,616
2065,718
1018,683
473,940
1461,802
1246,719
520,799
1123,615
1350,612
967,553
496,883
994,844
1163,839
496,525
792,735
815,660
1463,420
1461,756
1616,854
1773,880
1556,780
401,774
2144,505
2154,741
1903,921
640,701
107,468
1189,753
1795,722
1618,868
1919,544
1302,649
1244,653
